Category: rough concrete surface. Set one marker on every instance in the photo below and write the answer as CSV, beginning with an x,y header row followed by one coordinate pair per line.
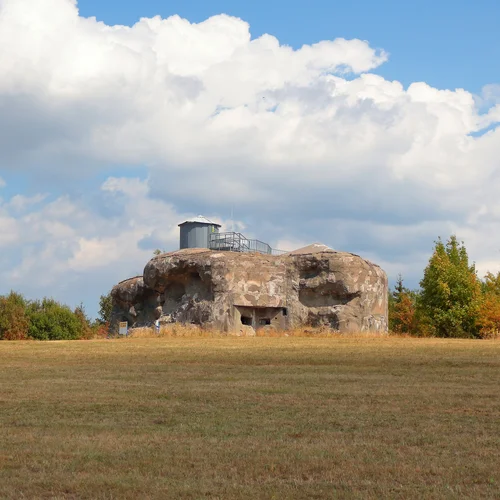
x,y
242,292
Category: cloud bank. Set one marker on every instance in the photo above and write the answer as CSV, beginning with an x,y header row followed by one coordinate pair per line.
x,y
306,144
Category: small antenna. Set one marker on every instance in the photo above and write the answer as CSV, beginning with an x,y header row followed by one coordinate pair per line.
x,y
232,218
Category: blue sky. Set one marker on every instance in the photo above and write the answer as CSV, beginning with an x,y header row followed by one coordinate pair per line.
x,y
345,124
446,43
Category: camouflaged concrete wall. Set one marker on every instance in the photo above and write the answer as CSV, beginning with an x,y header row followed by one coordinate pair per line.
x,y
313,286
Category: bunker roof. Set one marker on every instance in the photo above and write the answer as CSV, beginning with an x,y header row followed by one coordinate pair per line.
x,y
313,248
200,219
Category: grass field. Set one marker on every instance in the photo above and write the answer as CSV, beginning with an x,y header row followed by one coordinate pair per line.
x,y
275,418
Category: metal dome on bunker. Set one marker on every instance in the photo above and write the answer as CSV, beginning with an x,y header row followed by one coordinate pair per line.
x,y
195,232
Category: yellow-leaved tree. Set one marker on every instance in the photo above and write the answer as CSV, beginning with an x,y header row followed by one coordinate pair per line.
x,y
489,311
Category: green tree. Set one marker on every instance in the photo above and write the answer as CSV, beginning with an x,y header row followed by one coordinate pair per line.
x,y
402,302
85,322
14,323
450,292
105,308
50,320
491,283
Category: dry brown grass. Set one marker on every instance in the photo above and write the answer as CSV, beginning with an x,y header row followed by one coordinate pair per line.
x,y
174,330
314,332
239,418
187,330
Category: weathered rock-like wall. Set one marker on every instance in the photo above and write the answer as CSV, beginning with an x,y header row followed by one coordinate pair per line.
x,y
135,303
242,291
337,289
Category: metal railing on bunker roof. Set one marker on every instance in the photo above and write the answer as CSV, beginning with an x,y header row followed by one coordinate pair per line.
x,y
236,242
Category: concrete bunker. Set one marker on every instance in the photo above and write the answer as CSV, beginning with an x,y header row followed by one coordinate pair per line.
x,y
329,319
134,303
184,285
326,295
260,317
245,291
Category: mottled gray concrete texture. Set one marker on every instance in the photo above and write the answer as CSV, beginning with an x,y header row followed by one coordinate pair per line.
x,y
241,292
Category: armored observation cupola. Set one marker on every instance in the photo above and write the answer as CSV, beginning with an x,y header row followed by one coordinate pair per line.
x,y
195,232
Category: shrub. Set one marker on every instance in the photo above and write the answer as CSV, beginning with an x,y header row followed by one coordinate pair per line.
x,y
100,330
14,323
489,311
489,316
402,318
50,320
81,315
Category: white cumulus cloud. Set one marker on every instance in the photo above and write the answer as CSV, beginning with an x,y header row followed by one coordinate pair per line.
x,y
308,144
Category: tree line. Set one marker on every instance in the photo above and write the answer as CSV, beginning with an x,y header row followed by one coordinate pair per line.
x,y
47,319
451,302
